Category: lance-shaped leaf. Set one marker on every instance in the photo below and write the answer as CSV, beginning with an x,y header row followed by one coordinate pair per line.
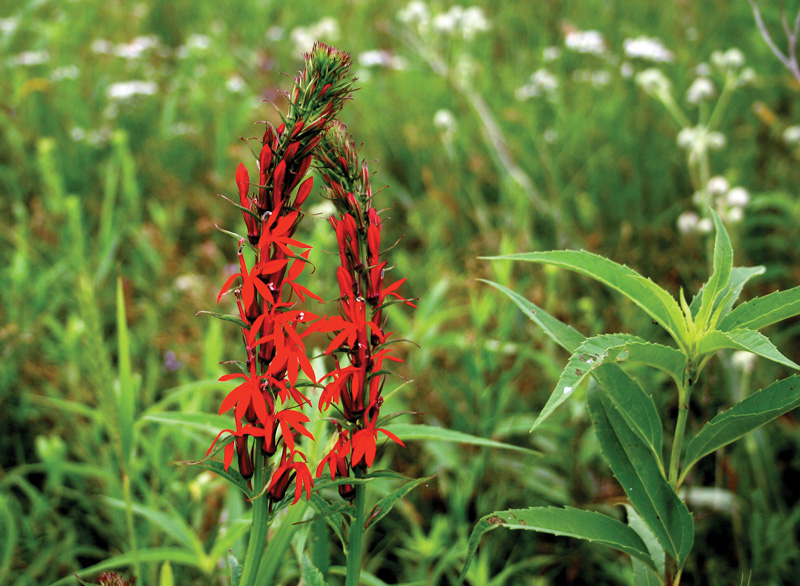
x,y
720,279
742,339
739,277
626,394
333,515
642,479
643,292
604,349
409,431
311,575
763,311
654,548
747,415
566,521
386,504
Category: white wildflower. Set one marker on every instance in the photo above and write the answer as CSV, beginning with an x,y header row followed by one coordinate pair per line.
x,y
653,81
29,58
9,25
734,215
102,46
701,90
718,185
705,226
416,13
303,38
738,197
275,33
77,133
128,89
791,135
597,78
473,21
550,54
235,84
626,70
381,58
734,58
649,49
715,141
68,72
703,70
445,121
542,82
137,47
686,138
591,42
687,222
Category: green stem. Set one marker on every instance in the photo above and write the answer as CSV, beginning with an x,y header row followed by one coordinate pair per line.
x,y
258,531
126,489
356,535
677,442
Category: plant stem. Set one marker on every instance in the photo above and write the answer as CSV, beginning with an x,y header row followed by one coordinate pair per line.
x,y
356,535
258,531
126,489
677,442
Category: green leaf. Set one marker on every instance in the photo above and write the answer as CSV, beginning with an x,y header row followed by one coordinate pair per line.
x,y
236,569
206,422
603,349
218,468
742,339
226,317
125,396
566,521
643,575
386,504
763,311
565,336
165,577
747,415
155,554
643,292
720,279
636,406
332,513
410,431
654,548
642,479
311,575
234,530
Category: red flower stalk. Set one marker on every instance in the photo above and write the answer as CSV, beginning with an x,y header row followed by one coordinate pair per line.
x,y
266,287
359,331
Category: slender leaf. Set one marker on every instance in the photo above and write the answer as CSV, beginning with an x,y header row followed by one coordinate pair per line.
x,y
218,468
125,395
156,554
739,277
386,504
565,521
235,530
642,479
565,336
332,513
643,292
720,279
742,339
595,351
409,431
763,311
236,569
206,422
165,576
643,575
311,575
226,317
747,415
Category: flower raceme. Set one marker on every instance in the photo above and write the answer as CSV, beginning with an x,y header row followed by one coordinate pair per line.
x,y
267,404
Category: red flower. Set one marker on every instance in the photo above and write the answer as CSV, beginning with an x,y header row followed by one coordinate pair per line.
x,y
251,279
250,430
365,441
248,393
286,472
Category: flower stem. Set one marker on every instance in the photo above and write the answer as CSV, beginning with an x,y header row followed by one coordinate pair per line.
x,y
258,531
677,442
356,535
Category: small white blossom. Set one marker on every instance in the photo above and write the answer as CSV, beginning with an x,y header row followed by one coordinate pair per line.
x,y
744,361
626,70
550,135
598,77
703,70
649,49
791,135
68,72
444,121
748,76
77,133
686,138
687,222
734,215
129,89
8,25
718,185
381,58
303,38
715,141
705,226
416,13
29,58
137,47
473,21
102,46
738,197
591,42
732,59
542,82
550,54
653,81
235,84
701,90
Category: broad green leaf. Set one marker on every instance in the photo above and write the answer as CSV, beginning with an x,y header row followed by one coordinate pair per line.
x,y
739,277
763,311
742,339
386,504
206,422
565,336
636,406
747,415
643,292
654,548
605,349
172,525
720,279
155,554
410,431
565,521
311,575
642,479
643,575
126,404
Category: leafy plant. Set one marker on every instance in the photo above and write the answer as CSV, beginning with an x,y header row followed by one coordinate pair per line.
x,y
660,531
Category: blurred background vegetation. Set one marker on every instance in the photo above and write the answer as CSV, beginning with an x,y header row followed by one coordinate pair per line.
x,y
119,125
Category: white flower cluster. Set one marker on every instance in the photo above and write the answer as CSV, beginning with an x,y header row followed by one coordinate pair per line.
x,y
125,90
702,89
590,42
732,59
541,83
649,49
132,51
381,58
304,37
698,138
728,202
29,58
595,77
457,22
196,43
791,136
653,82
